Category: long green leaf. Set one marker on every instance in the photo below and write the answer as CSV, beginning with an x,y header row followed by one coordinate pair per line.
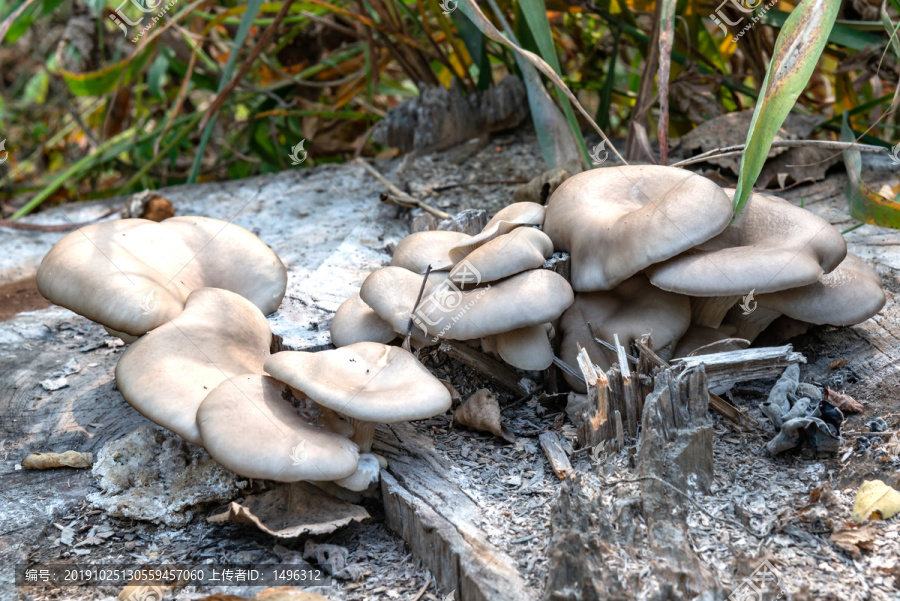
x,y
535,13
797,51
471,9
866,205
250,13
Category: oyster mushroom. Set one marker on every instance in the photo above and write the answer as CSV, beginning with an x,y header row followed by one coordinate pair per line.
x,y
522,249
850,294
366,383
526,348
248,427
505,221
632,309
392,293
355,321
617,221
771,246
133,275
421,249
168,372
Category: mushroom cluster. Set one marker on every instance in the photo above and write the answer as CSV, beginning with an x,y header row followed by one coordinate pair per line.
x,y
652,250
489,288
190,295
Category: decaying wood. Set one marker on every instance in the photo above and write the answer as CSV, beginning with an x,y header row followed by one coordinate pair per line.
x,y
487,366
560,262
556,455
590,413
726,369
649,359
438,521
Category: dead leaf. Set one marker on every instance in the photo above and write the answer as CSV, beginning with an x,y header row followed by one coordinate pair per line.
x,y
482,412
875,499
293,509
852,538
43,461
846,403
142,590
288,593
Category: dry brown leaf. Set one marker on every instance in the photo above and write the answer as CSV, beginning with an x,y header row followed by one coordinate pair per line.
x,y
875,499
44,461
853,537
482,412
293,509
847,404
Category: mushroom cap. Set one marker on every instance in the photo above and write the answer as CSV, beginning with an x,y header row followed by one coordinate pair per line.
x,y
772,245
506,220
168,372
632,309
617,221
529,298
392,293
526,348
132,275
421,249
850,294
250,429
366,381
508,254
355,321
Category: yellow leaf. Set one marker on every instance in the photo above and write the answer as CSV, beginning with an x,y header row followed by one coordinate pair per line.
x,y
875,497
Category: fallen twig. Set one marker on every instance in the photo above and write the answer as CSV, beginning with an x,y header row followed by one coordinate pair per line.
x,y
737,150
398,196
63,227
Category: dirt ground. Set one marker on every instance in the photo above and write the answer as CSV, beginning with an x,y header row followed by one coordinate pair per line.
x,y
759,507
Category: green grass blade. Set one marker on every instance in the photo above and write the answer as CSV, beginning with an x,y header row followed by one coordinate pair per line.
x,y
250,13
797,51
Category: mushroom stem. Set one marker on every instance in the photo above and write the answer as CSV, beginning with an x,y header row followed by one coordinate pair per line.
x,y
126,338
363,433
750,326
710,311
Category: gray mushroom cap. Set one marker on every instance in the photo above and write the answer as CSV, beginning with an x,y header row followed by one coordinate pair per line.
x,y
355,321
366,381
617,221
133,275
248,427
421,249
168,372
521,249
505,221
772,245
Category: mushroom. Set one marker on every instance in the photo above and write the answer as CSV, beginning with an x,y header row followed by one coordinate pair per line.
x,y
168,372
617,221
772,245
133,275
850,294
421,249
366,382
526,348
392,293
506,220
632,309
248,427
529,298
522,249
355,321
702,340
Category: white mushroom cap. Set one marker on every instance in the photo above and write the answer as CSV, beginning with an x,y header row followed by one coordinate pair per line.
x,y
850,294
366,381
132,275
522,249
421,249
392,293
526,348
506,220
617,221
355,321
632,309
168,372
248,427
529,298
772,245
